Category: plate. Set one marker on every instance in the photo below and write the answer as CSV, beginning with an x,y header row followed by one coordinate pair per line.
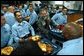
x,y
36,38
45,47
6,50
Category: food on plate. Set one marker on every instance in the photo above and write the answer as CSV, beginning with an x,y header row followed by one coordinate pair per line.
x,y
45,47
36,38
7,50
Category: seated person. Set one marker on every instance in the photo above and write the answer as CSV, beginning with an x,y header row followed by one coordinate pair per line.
x,y
31,15
20,33
5,32
21,9
9,16
43,23
74,43
21,30
59,18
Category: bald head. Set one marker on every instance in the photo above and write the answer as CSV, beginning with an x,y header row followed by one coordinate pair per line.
x,y
11,9
72,30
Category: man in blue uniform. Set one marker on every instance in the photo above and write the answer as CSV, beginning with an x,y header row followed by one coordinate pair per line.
x,y
60,18
74,44
20,33
31,15
9,16
5,32
21,29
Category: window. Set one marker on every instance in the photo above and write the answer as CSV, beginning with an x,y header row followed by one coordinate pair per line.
x,y
59,2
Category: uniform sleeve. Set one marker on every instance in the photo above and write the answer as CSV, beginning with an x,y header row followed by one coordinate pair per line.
x,y
65,20
72,48
33,18
32,30
23,14
27,12
55,17
15,35
10,41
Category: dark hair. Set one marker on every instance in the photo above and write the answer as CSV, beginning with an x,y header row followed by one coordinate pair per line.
x,y
15,13
21,5
42,9
64,8
57,7
30,5
36,4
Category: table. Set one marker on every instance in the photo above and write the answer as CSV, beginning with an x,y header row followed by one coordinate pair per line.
x,y
56,47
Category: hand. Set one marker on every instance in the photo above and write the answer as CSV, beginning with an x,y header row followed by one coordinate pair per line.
x,y
21,40
29,38
57,24
27,18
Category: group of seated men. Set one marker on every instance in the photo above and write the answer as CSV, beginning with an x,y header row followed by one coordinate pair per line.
x,y
17,26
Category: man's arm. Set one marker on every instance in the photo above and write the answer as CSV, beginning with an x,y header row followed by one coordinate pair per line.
x,y
54,18
33,18
32,30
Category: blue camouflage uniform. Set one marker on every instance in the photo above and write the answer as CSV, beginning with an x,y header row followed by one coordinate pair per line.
x,y
59,19
72,47
5,35
10,19
19,30
33,16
